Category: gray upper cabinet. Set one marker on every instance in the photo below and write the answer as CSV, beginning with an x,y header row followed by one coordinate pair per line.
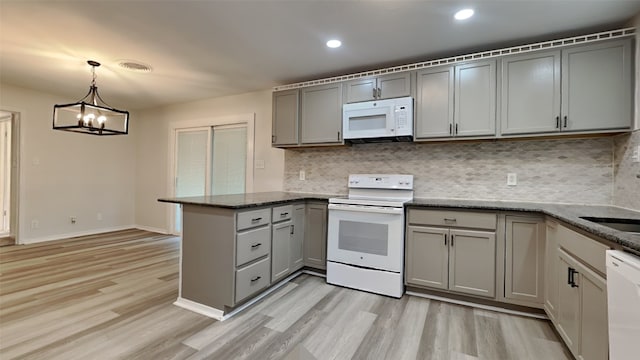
x,y
530,93
382,87
475,99
597,86
456,101
434,102
285,118
321,114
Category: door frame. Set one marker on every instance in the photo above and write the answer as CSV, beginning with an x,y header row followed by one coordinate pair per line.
x,y
17,177
176,126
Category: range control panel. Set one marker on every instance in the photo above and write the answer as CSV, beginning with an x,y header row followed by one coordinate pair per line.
x,y
381,181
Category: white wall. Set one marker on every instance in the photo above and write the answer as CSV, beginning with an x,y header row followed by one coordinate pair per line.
x,y
65,174
152,128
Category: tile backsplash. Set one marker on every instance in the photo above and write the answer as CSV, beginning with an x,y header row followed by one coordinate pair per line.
x,y
626,172
557,170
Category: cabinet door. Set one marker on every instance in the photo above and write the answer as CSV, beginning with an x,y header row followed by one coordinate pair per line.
x,y
280,247
315,236
568,320
530,93
322,114
472,262
434,103
285,118
475,99
550,271
394,85
596,86
427,257
297,238
361,90
524,259
594,344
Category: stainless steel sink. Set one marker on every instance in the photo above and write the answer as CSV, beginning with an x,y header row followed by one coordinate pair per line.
x,y
626,225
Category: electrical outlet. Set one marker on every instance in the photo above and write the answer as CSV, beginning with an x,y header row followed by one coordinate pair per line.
x,y
303,176
73,219
512,179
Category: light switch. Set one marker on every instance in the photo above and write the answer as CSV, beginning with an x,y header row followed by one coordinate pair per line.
x,y
512,179
635,157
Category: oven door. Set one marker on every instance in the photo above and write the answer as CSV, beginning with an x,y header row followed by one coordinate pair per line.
x,y
367,236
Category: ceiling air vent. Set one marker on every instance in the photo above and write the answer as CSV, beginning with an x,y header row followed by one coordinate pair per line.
x,y
133,65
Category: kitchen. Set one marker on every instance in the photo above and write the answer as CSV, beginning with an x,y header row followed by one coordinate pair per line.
x,y
589,174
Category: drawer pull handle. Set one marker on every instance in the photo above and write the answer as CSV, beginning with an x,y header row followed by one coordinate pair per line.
x,y
284,214
256,245
256,278
449,220
445,239
292,227
572,280
452,237
256,219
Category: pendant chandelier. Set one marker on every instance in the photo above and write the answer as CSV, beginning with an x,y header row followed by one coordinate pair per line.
x,y
91,115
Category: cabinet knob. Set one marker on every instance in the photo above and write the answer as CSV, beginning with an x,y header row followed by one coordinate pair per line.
x,y
565,122
557,122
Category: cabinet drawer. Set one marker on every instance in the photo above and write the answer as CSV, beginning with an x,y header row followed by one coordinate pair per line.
x,y
464,219
254,218
281,213
586,249
251,279
252,244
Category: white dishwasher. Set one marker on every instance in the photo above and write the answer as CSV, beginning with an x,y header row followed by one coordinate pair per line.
x,y
623,298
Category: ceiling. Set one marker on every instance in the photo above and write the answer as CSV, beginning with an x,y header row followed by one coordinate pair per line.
x,y
203,49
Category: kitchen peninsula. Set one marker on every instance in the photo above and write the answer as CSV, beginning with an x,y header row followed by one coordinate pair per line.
x,y
234,247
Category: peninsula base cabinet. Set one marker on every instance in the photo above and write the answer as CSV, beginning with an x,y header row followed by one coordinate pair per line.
x,y
459,259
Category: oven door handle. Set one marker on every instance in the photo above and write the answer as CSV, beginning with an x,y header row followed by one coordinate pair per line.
x,y
367,209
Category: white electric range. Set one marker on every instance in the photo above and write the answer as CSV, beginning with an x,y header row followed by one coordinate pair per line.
x,y
365,241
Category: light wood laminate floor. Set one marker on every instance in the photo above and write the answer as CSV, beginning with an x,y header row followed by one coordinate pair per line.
x,y
110,297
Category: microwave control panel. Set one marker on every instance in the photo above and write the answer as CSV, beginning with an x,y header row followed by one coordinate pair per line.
x,y
402,116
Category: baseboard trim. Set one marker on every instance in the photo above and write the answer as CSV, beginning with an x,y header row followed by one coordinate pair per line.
x,y
152,229
476,305
199,308
74,234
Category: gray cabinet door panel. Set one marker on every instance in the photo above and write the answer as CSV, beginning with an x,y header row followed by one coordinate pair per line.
x,y
361,90
427,260
297,238
550,271
472,262
252,244
524,259
394,85
280,246
596,86
321,119
594,344
530,101
285,118
475,99
568,320
434,103
315,237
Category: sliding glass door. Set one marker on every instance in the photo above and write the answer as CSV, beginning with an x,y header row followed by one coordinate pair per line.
x,y
209,161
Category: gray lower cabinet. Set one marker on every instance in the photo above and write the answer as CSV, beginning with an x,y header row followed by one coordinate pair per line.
x,y
460,258
582,295
315,235
281,236
285,118
321,114
296,248
525,259
456,101
377,88
550,272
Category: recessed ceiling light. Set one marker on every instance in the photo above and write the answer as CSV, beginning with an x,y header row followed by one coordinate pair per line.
x,y
463,14
334,43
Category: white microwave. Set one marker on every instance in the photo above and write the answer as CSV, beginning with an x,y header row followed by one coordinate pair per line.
x,y
378,121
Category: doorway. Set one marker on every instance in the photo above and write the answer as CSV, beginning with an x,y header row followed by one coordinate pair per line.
x,y
8,176
216,159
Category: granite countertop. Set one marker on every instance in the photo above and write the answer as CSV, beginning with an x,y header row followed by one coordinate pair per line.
x,y
248,200
569,213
